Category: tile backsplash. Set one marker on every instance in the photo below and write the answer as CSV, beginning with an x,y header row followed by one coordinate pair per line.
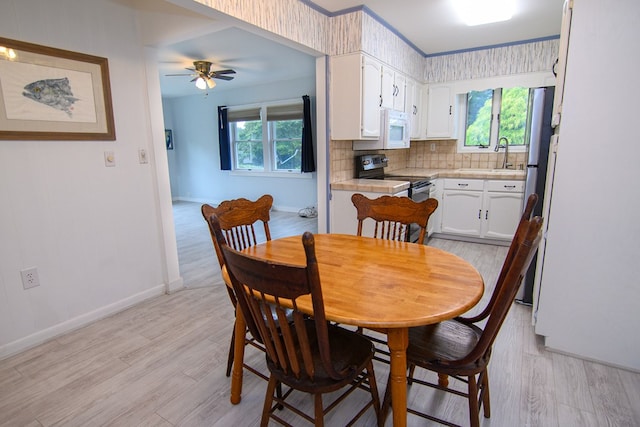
x,y
419,155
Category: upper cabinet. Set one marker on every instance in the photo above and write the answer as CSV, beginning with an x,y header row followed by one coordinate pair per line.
x,y
360,86
355,91
393,89
440,112
415,108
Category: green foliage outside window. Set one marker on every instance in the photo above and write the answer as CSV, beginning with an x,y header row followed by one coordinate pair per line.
x,y
248,146
287,139
479,106
513,116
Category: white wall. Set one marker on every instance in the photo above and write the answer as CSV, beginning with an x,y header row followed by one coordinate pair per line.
x,y
195,161
93,232
591,279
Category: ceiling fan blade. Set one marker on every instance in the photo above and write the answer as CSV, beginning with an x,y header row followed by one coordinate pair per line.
x,y
227,71
222,77
178,74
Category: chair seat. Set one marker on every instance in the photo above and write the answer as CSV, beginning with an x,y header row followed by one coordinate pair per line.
x,y
348,348
445,341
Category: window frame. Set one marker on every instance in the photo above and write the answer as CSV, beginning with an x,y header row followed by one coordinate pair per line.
x,y
268,142
494,127
462,87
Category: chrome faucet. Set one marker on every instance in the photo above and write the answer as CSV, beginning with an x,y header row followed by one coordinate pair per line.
x,y
505,161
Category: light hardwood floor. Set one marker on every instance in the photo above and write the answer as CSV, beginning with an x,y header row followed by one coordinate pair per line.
x,y
162,362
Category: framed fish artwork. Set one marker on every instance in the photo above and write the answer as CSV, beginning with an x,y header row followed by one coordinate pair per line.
x,y
53,94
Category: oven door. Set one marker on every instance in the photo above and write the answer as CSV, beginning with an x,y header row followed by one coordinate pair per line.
x,y
418,194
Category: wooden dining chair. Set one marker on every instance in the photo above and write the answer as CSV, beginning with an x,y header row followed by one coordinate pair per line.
x,y
304,353
393,215
238,218
460,348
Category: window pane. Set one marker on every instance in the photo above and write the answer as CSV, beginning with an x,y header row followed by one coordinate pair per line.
x,y
287,143
246,131
288,155
513,115
247,143
249,155
479,105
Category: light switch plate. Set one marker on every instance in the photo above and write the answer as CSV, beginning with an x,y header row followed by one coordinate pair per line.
x,y
143,156
109,159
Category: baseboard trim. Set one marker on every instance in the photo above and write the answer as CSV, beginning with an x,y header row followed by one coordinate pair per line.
x,y
40,337
278,208
470,239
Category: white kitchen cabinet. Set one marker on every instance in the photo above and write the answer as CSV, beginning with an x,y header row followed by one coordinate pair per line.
x,y
414,107
435,221
462,206
344,217
502,209
488,209
355,87
393,89
440,112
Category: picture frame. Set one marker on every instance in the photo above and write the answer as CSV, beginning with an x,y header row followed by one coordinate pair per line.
x,y
53,94
168,136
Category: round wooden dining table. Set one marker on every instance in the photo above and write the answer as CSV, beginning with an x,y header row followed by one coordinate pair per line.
x,y
381,284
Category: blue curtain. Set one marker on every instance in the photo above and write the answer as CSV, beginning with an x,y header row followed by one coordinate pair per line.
x,y
308,160
223,138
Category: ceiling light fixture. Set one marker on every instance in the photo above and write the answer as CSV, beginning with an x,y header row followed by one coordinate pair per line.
x,y
479,12
204,82
200,83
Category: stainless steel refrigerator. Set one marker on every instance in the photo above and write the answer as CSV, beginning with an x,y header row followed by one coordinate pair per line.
x,y
539,138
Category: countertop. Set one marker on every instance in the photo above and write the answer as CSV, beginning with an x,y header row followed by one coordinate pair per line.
x,y
392,187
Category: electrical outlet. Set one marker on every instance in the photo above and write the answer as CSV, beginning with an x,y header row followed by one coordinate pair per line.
x,y
30,278
433,146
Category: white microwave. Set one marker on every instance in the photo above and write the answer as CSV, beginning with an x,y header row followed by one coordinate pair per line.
x,y
395,130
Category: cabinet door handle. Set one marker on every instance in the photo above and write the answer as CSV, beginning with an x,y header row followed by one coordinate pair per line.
x,y
479,213
462,185
380,104
486,215
510,186
450,107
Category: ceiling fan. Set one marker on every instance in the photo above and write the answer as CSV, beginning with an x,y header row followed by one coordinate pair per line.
x,y
203,76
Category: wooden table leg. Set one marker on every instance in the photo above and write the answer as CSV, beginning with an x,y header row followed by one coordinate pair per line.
x,y
238,358
398,340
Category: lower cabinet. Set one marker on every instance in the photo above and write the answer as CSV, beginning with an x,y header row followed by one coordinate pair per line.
x,y
344,218
487,209
502,213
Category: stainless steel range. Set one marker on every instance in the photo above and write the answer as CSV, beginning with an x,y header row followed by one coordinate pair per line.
x,y
371,166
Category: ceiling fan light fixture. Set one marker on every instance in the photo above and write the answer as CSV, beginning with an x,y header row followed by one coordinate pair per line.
x,y
210,83
479,12
200,83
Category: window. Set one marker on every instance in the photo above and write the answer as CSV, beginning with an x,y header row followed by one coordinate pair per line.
x,y
493,114
267,138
